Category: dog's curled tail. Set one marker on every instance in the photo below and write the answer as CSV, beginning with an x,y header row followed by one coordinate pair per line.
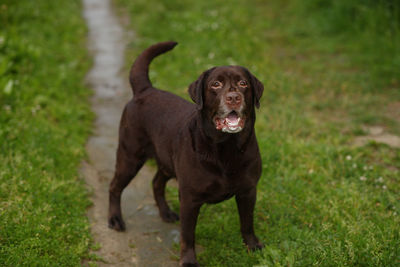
x,y
139,75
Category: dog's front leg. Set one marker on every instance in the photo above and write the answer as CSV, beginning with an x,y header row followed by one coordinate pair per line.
x,y
188,212
245,203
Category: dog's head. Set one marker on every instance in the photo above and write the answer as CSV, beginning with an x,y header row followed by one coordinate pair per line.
x,y
227,96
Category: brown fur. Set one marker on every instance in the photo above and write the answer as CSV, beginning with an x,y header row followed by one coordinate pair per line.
x,y
210,165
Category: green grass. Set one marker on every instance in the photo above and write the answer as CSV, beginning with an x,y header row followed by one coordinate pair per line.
x,y
45,119
329,68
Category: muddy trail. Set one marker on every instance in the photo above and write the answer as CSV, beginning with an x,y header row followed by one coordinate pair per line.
x,y
147,240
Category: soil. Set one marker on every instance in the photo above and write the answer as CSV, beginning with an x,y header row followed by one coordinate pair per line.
x,y
379,135
147,240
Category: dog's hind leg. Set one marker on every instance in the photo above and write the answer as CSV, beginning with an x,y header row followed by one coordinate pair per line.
x,y
125,170
159,182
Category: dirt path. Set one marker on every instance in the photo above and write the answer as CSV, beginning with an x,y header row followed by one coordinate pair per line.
x,y
147,241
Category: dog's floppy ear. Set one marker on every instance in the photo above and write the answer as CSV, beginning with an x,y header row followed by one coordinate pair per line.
x,y
196,89
257,87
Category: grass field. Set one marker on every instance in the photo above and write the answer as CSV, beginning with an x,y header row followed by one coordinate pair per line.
x,y
330,68
45,119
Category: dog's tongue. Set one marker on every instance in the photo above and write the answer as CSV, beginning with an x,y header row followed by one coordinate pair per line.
x,y
232,118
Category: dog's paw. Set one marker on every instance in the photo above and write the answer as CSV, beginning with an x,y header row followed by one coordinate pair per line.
x,y
257,246
188,259
117,223
252,243
189,263
169,216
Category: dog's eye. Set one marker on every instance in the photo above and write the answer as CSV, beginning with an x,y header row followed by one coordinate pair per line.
x,y
216,84
243,83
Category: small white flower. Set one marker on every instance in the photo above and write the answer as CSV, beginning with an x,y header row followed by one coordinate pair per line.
x,y
365,168
384,187
354,165
348,157
311,171
363,178
379,180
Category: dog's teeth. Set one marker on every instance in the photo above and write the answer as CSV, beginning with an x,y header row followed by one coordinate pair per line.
x,y
232,129
233,122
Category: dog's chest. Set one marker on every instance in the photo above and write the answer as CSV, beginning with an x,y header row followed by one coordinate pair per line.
x,y
211,174
225,163
222,181
217,190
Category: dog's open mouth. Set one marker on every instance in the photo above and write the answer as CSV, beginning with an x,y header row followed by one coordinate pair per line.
x,y
231,123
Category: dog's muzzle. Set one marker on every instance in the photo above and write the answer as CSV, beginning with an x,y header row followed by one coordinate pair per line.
x,y
231,123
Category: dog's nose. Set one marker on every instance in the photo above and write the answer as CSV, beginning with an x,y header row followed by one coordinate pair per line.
x,y
233,98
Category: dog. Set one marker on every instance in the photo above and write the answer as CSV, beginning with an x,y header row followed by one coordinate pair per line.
x,y
209,146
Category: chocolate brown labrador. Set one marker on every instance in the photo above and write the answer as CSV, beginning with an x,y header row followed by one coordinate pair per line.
x,y
209,146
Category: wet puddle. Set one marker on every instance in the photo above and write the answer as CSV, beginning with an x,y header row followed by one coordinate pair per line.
x,y
147,241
